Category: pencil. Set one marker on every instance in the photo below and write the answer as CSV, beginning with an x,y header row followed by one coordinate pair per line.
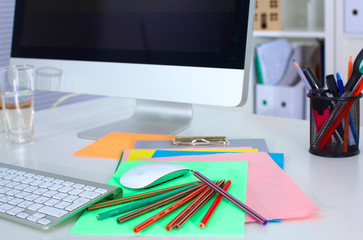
x,y
196,207
136,197
139,204
347,117
168,210
337,116
350,67
302,75
248,210
171,224
214,206
157,204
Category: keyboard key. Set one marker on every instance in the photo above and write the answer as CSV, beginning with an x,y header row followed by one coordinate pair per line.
x,y
38,177
30,189
6,199
78,185
50,193
21,195
32,218
39,215
15,211
29,175
21,186
10,176
22,215
27,180
65,189
88,194
62,205
19,178
20,173
55,212
31,197
70,198
34,207
48,179
58,181
25,204
2,174
89,188
12,184
51,202
12,192
41,199
55,187
45,184
68,183
4,182
101,190
5,207
60,196
4,189
76,191
40,191
15,201
77,204
44,221
35,182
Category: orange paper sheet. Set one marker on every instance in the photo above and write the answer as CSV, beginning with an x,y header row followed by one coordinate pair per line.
x,y
112,145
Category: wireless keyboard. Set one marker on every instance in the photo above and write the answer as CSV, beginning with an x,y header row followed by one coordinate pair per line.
x,y
42,199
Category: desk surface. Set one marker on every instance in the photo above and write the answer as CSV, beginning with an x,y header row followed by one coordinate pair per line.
x,y
334,185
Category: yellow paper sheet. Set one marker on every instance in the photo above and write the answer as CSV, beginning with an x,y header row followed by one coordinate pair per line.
x,y
133,154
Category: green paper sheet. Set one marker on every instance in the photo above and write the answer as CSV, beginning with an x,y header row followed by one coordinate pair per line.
x,y
228,219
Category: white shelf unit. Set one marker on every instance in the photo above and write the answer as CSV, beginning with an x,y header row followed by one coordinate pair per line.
x,y
290,34
301,32
347,44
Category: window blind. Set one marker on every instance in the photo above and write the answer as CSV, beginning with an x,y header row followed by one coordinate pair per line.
x,y
6,29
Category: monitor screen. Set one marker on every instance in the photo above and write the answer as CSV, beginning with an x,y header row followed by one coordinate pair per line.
x,y
184,51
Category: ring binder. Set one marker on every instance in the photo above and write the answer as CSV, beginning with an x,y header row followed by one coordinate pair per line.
x,y
200,140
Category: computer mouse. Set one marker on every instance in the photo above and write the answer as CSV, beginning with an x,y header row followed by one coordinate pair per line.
x,y
150,174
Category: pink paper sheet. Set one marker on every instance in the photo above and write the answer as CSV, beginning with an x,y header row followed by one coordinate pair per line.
x,y
270,191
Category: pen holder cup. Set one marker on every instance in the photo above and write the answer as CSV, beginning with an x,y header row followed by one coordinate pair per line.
x,y
334,125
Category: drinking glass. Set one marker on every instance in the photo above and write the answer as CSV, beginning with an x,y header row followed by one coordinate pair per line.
x,y
17,94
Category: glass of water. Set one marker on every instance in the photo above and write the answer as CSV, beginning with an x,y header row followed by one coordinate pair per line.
x,y
17,94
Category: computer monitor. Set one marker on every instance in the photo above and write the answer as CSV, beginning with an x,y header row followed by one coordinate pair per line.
x,y
168,54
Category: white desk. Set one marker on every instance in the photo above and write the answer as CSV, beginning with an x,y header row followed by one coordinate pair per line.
x,y
334,185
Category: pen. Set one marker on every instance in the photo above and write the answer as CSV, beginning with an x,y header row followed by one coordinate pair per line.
x,y
340,84
332,85
337,115
302,76
313,81
333,89
214,206
225,194
142,203
348,118
168,210
355,73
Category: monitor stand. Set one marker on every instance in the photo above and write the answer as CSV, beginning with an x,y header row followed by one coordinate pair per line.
x,y
151,117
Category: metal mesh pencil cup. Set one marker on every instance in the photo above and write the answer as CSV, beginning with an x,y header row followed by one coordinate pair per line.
x,y
325,113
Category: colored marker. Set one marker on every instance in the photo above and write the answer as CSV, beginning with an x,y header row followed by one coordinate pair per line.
x,y
228,196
